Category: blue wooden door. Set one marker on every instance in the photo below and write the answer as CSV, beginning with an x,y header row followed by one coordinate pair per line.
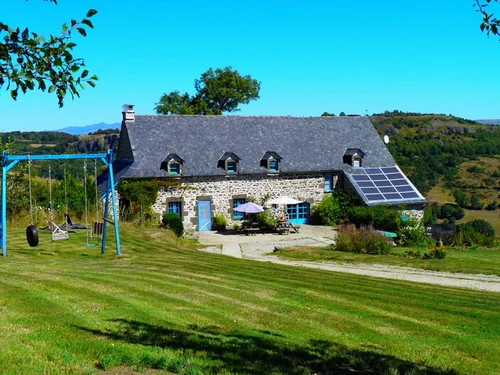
x,y
204,216
298,213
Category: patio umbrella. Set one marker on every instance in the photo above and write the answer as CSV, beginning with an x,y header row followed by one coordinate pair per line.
x,y
249,208
283,200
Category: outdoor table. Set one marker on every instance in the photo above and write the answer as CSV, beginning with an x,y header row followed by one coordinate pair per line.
x,y
283,227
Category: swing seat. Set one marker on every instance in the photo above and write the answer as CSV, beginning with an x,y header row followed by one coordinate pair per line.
x,y
97,228
57,233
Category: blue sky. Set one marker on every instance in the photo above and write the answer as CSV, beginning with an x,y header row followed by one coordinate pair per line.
x,y
359,56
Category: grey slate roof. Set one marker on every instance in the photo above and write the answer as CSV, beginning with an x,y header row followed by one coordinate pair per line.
x,y
305,143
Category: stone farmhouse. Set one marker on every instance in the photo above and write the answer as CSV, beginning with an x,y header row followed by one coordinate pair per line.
x,y
222,161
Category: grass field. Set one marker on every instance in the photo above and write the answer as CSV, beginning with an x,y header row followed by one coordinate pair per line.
x,y
163,305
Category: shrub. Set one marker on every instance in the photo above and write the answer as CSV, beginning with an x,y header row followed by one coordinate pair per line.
x,y
451,212
364,240
219,222
174,223
380,217
437,252
475,232
413,234
266,219
480,226
492,206
333,209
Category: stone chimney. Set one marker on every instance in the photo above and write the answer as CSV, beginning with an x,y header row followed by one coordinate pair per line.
x,y
128,112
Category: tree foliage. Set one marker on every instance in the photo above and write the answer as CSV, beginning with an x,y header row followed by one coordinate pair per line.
x,y
490,23
29,61
217,91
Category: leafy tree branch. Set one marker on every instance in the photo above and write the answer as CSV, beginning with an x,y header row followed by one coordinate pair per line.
x,y
29,61
490,23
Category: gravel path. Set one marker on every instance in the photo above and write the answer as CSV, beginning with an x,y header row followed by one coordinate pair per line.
x,y
259,251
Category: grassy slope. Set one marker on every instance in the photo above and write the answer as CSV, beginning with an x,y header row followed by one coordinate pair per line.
x,y
66,309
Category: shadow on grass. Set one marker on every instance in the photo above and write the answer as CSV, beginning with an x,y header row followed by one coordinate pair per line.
x,y
262,352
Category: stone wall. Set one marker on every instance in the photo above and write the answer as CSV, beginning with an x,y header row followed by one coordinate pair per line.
x,y
221,190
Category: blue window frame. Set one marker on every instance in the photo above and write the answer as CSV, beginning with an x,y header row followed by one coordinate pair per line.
x,y
298,211
328,182
236,203
231,166
175,168
175,208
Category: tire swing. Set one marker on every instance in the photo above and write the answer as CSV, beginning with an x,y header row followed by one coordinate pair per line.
x,y
31,231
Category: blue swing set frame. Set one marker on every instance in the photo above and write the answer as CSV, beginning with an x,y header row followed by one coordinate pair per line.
x,y
9,161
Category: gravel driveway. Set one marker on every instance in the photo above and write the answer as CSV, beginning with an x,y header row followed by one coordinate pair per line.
x,y
255,247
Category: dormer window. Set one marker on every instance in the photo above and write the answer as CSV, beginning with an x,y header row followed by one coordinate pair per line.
x,y
271,161
172,164
354,157
230,162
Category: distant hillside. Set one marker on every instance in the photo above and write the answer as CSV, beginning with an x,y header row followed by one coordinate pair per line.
x,y
84,130
489,122
446,154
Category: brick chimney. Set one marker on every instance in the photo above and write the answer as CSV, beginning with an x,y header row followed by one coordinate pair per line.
x,y
128,112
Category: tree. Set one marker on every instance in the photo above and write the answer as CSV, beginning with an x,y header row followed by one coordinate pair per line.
x,y
490,23
328,114
219,91
461,198
475,202
342,114
29,61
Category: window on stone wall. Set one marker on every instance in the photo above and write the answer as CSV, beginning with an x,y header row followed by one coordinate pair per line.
x,y
236,203
175,208
328,182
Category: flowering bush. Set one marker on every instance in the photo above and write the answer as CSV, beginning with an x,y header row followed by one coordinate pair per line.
x,y
363,240
435,253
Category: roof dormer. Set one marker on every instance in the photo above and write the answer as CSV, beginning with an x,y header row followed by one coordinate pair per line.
x,y
271,161
354,157
172,164
230,162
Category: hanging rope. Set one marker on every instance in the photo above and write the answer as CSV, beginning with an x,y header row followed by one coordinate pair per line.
x,y
96,192
31,232
65,197
50,195
29,184
86,203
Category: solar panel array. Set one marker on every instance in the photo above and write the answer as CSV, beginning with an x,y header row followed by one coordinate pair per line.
x,y
385,184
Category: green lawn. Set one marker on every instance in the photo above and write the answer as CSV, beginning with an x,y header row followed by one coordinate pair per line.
x,y
474,261
65,309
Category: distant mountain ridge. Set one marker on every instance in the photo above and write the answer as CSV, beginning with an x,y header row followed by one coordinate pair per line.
x,y
489,122
84,130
